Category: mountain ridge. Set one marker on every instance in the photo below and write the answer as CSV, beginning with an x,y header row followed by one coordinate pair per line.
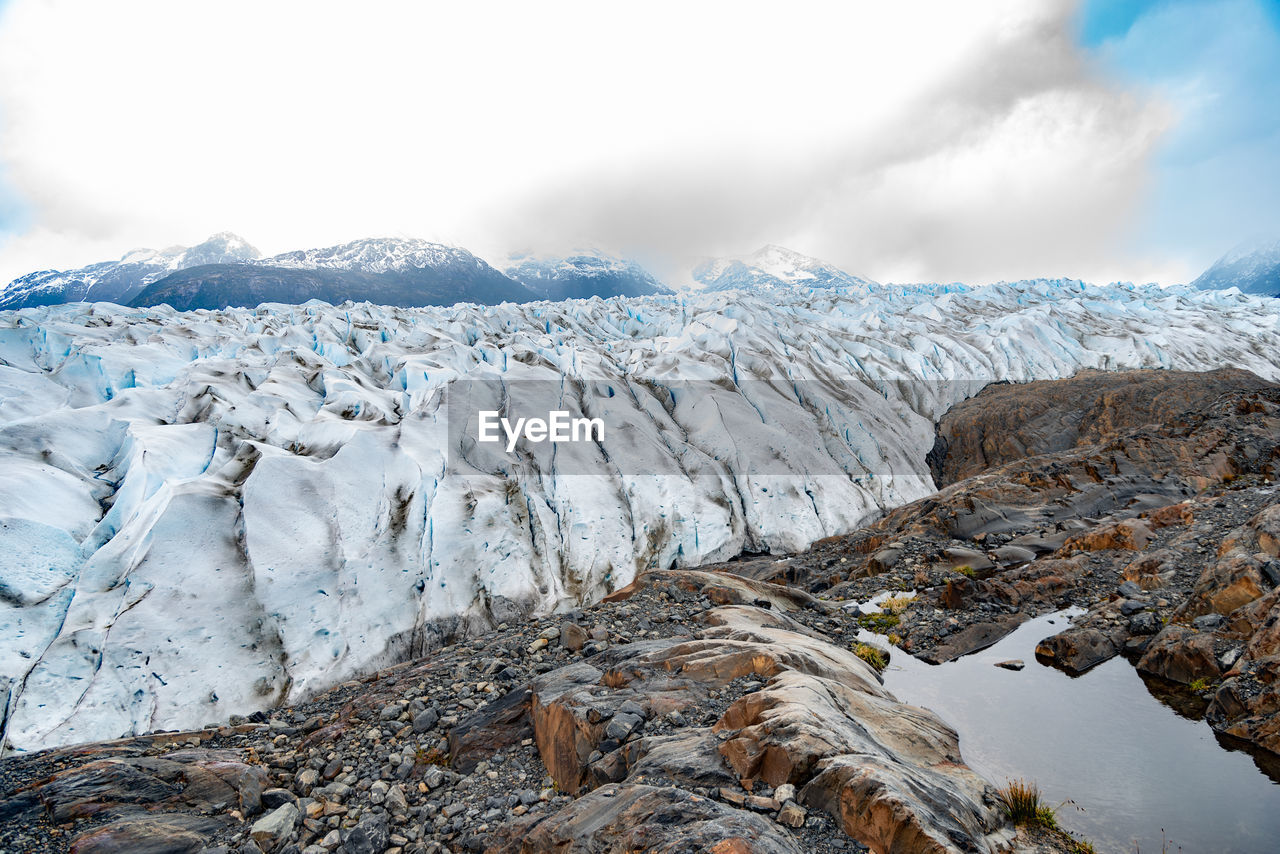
x,y
1252,266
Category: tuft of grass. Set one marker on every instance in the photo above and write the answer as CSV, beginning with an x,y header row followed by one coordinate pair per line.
x,y
896,604
1199,686
878,623
965,570
871,655
1020,801
894,639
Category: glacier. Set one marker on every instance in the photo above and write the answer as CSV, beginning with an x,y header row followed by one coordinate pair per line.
x,y
212,512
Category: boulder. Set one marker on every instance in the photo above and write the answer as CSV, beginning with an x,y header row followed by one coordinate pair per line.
x,y
370,835
1233,581
893,812
883,560
1152,571
972,638
1132,534
1145,623
482,733
211,781
1180,654
1247,704
1014,555
971,558
662,820
1077,649
573,637
140,833
273,829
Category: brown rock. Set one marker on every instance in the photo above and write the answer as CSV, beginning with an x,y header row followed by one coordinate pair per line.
x,y
1132,534
573,706
1169,515
792,815
878,805
572,637
1078,649
1182,655
1152,571
663,820
206,780
1247,705
1233,581
498,725
149,834
1259,621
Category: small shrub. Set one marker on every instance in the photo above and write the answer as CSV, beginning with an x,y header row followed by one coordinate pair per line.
x,y
1020,802
966,570
615,679
434,756
871,655
1200,685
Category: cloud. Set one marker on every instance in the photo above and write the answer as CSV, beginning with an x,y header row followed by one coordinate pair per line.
x,y
1216,172
1020,161
907,140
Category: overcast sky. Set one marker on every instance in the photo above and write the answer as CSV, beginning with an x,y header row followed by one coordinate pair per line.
x,y
975,141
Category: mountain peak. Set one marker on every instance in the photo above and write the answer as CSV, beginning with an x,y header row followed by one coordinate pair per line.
x,y
1252,266
772,267
580,274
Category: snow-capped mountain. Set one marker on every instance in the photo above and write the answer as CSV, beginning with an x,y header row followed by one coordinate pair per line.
x,y
206,514
379,255
582,275
390,271
1252,267
773,268
225,271
121,281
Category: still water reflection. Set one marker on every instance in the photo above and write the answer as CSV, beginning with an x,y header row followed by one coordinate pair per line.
x,y
1131,764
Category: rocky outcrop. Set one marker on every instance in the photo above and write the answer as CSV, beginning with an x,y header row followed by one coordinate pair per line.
x,y
1008,422
1146,498
1180,654
169,803
663,820
817,720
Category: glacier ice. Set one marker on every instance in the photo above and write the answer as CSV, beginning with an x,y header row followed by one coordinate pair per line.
x,y
207,513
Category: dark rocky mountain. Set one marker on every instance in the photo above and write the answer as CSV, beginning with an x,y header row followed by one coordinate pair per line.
x,y
121,281
225,271
583,275
219,286
1252,267
381,271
